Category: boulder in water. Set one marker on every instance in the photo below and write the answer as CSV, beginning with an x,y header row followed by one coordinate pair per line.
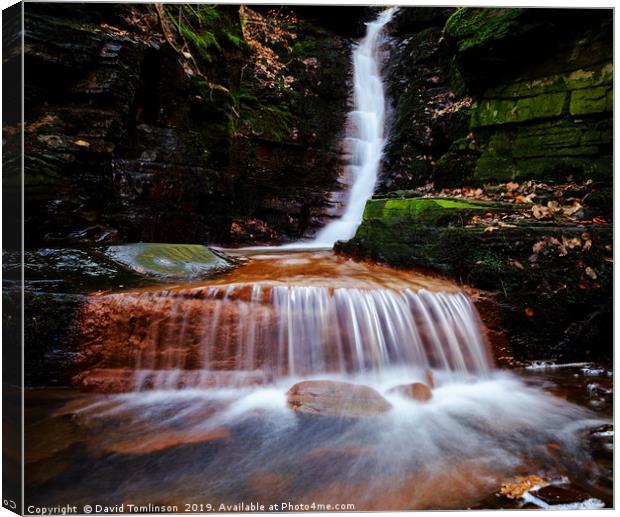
x,y
169,261
336,398
416,391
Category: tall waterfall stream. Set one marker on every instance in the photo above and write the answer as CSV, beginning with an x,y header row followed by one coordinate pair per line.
x,y
190,404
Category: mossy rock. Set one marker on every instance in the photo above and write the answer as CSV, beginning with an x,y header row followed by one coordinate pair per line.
x,y
591,100
473,27
424,211
169,261
495,112
548,151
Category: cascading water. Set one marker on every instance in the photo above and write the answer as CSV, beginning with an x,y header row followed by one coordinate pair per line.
x,y
193,379
364,142
366,137
267,332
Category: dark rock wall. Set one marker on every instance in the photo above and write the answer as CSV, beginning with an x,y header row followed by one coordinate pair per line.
x,y
181,124
496,95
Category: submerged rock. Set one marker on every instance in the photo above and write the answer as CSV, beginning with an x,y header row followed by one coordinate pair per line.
x,y
160,441
335,398
416,391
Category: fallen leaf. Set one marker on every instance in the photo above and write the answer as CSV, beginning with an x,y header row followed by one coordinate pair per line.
x,y
524,199
529,312
523,484
591,273
490,229
599,220
82,143
538,247
540,212
572,209
587,245
516,263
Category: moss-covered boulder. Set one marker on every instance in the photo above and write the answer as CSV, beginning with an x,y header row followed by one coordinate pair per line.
x,y
553,281
169,261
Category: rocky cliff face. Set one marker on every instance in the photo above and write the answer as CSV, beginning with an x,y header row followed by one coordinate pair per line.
x,y
181,124
496,95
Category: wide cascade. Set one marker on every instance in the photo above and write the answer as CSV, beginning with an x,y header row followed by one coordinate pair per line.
x,y
297,321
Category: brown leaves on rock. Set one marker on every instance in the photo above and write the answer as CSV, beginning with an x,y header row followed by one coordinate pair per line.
x,y
563,202
448,105
266,35
494,221
561,246
554,211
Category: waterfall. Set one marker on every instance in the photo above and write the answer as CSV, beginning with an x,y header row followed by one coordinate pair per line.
x,y
364,141
256,333
366,137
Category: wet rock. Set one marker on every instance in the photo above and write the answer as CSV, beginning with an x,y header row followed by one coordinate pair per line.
x,y
596,389
248,229
169,261
95,234
591,371
554,494
416,391
602,431
335,398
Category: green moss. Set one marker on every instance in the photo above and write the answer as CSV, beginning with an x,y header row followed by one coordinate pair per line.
x,y
426,211
550,150
64,23
591,100
473,26
574,80
197,25
493,112
168,260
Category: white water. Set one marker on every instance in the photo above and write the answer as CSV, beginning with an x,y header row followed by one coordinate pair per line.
x,y
365,139
248,333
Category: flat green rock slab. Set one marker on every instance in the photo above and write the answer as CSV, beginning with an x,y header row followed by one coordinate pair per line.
x,y
169,261
426,211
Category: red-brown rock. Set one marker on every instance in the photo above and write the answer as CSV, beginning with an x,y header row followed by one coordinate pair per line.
x,y
416,391
335,398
